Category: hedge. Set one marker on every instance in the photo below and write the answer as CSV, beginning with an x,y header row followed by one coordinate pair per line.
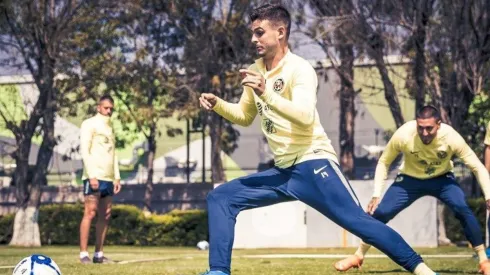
x,y
59,224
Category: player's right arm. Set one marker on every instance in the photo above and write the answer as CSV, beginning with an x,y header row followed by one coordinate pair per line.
x,y
389,154
86,137
391,151
242,113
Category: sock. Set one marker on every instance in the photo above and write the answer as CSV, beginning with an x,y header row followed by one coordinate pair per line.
x,y
98,254
480,251
362,249
83,254
423,269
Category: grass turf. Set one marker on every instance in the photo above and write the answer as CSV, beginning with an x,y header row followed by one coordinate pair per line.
x,y
188,261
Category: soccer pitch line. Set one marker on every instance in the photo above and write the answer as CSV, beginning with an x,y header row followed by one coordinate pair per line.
x,y
340,256
132,261
155,260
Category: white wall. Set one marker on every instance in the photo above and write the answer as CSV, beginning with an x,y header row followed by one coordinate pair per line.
x,y
295,225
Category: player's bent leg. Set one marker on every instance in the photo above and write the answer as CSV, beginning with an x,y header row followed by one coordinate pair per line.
x,y
453,196
398,197
225,203
332,196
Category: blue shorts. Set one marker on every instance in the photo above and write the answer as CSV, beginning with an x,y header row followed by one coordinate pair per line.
x,y
106,188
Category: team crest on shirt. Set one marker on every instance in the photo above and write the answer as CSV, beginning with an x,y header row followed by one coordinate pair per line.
x,y
269,126
442,154
278,85
430,170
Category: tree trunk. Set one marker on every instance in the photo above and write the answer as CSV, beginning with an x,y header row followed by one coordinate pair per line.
x,y
452,97
20,176
419,38
375,48
418,69
152,146
216,130
347,110
390,91
26,228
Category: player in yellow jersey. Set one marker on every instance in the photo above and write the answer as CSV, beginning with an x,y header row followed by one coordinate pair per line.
x,y
101,178
428,147
280,88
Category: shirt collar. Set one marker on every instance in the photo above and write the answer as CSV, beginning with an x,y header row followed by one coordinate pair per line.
x,y
261,65
105,119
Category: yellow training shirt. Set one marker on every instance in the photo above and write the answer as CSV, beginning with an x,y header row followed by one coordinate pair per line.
x,y
428,161
287,109
97,146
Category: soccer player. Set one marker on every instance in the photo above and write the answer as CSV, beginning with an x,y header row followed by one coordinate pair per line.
x,y
281,88
427,146
487,165
101,178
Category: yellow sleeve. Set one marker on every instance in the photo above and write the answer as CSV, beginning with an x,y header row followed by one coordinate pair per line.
x,y
301,108
468,156
392,150
117,175
86,135
487,135
242,113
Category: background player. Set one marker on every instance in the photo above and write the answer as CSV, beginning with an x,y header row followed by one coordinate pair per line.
x,y
427,146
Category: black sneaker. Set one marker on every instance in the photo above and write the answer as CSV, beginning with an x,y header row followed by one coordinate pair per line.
x,y
101,260
85,260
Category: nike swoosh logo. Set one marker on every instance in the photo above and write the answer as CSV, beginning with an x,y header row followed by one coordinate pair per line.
x,y
316,171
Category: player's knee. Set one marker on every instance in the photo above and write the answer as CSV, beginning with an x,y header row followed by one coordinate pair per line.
x,y
382,215
221,194
106,216
89,214
215,197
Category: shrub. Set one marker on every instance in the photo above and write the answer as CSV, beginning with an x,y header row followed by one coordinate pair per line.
x,y
59,224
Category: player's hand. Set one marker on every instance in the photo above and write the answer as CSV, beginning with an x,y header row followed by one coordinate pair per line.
x,y
254,80
94,184
208,101
117,186
373,204
488,204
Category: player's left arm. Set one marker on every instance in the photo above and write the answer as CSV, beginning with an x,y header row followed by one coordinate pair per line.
x,y
117,175
468,156
301,108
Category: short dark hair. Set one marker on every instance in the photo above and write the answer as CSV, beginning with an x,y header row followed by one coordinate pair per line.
x,y
428,111
106,97
274,13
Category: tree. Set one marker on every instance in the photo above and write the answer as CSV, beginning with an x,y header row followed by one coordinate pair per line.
x,y
338,13
49,36
146,84
458,57
415,16
216,43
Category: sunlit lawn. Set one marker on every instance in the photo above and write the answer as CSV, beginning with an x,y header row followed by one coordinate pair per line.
x,y
191,261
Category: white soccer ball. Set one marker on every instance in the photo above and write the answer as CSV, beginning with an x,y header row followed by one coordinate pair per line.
x,y
37,265
203,245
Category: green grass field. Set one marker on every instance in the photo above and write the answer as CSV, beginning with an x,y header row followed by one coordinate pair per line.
x,y
188,261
